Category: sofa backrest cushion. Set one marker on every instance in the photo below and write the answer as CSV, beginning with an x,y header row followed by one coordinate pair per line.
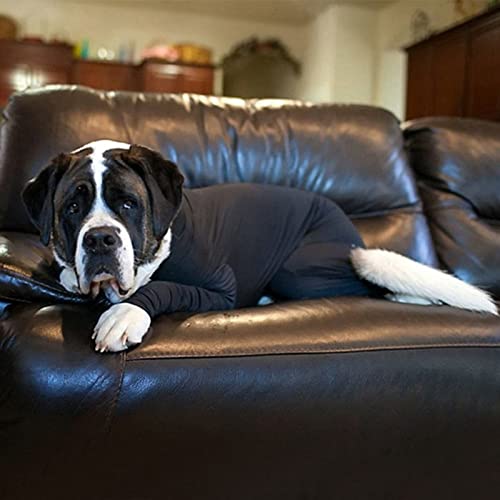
x,y
457,162
351,154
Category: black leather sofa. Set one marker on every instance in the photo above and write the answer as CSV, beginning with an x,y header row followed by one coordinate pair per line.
x,y
324,399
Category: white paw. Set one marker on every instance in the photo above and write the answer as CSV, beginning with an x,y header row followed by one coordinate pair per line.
x,y
121,326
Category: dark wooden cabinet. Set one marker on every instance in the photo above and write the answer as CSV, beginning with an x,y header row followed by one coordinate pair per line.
x,y
457,72
448,71
161,77
105,75
483,97
420,84
34,64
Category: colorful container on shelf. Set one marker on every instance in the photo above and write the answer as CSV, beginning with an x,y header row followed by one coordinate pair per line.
x,y
194,54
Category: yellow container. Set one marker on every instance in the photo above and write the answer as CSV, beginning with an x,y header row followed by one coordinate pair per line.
x,y
194,54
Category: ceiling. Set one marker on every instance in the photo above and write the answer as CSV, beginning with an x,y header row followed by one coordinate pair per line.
x,y
276,11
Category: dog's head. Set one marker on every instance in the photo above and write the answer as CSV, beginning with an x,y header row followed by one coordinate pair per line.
x,y
106,209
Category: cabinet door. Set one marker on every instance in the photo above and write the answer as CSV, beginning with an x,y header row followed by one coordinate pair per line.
x,y
44,75
448,72
13,78
32,64
436,77
104,75
198,80
162,77
419,99
484,71
19,77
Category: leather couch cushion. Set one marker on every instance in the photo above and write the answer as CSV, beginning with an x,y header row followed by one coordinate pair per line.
x,y
457,162
344,398
351,154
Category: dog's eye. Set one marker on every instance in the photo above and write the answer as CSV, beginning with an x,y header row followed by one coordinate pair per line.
x,y
128,204
73,208
81,189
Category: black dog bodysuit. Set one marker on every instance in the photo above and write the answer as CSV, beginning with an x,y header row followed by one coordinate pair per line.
x,y
232,243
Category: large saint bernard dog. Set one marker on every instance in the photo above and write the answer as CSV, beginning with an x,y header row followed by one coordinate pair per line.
x,y
120,224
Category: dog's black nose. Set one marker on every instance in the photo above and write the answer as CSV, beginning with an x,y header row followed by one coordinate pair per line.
x,y
101,240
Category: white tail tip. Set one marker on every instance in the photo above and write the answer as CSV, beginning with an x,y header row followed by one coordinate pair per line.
x,y
404,276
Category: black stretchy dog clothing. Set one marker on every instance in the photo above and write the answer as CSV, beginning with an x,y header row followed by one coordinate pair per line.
x,y
232,243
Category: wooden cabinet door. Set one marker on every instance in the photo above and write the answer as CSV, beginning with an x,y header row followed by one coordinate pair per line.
x,y
436,77
45,75
457,72
14,77
448,74
19,77
162,77
31,64
419,99
198,80
483,100
104,75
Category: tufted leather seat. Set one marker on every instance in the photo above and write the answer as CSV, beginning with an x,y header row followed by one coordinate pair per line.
x,y
332,398
458,166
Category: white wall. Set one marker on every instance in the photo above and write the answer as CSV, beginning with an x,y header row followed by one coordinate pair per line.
x,y
316,83
355,50
339,55
110,26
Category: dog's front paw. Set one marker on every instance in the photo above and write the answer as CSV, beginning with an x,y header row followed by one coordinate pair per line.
x,y
121,326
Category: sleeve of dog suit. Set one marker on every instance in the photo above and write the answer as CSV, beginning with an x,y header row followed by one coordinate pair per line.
x,y
162,297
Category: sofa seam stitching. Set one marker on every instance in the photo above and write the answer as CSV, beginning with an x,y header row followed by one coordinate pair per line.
x,y
309,351
114,401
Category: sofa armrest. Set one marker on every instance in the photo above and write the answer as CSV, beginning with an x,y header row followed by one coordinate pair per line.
x,y
28,272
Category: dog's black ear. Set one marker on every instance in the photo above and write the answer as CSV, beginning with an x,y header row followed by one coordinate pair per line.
x,y
163,181
38,196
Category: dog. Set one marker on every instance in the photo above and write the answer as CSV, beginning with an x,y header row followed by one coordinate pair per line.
x,y
121,225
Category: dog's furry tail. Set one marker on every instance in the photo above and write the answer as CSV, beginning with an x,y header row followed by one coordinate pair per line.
x,y
407,278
